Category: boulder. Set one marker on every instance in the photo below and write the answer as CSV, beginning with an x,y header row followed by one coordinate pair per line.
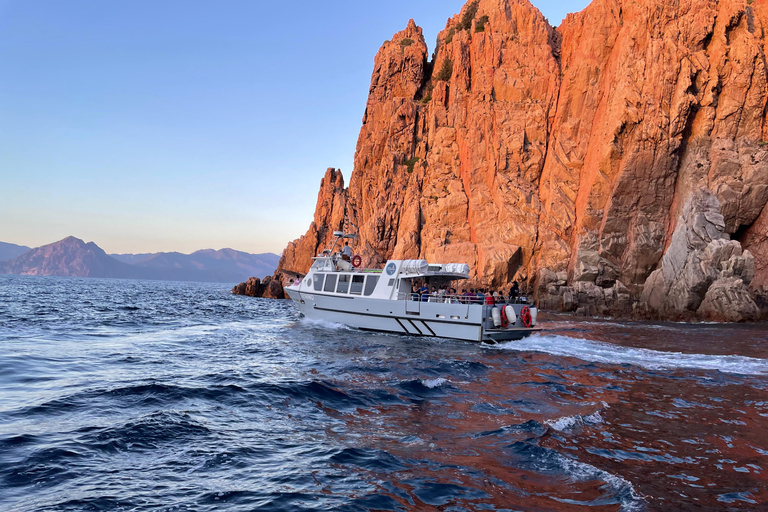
x,y
728,300
271,287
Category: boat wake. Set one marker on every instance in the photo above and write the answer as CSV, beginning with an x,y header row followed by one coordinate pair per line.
x,y
323,324
601,352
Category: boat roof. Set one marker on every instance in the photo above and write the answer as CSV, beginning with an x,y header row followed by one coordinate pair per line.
x,y
409,269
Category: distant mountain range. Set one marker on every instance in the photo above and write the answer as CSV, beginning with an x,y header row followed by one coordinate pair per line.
x,y
76,258
9,251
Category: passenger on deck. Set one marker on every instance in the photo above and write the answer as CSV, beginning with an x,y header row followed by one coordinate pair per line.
x,y
346,252
514,291
424,292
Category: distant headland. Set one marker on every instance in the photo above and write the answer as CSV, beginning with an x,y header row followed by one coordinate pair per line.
x,y
75,258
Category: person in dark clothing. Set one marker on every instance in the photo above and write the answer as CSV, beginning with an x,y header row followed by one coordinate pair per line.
x,y
424,292
514,291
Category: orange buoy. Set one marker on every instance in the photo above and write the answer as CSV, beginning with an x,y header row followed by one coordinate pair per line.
x,y
525,316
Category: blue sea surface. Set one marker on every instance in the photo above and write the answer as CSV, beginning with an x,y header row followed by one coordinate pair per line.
x,y
147,395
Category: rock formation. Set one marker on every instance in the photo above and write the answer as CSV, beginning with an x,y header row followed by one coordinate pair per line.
x,y
700,256
567,158
270,288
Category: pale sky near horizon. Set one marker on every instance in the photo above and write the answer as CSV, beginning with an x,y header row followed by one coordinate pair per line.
x,y
179,125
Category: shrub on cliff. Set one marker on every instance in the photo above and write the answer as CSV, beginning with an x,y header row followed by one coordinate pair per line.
x,y
406,42
446,70
469,15
411,162
480,25
450,35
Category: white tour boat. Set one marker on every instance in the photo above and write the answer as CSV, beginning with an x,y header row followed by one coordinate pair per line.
x,y
335,290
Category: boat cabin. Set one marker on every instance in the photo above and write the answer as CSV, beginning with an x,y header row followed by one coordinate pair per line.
x,y
333,276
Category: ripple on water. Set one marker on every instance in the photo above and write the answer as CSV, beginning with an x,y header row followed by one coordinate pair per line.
x,y
130,395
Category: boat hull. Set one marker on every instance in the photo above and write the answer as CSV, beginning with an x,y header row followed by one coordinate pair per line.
x,y
459,321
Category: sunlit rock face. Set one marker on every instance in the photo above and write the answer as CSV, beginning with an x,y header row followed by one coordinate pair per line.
x,y
560,157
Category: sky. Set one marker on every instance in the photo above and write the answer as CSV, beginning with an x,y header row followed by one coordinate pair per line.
x,y
179,125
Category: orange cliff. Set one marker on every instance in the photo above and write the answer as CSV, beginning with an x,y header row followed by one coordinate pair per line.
x,y
615,164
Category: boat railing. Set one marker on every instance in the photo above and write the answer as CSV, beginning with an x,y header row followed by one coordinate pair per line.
x,y
459,298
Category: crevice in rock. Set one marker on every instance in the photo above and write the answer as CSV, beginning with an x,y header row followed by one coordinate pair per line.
x,y
739,233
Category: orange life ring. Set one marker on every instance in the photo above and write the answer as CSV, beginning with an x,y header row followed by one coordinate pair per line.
x,y
504,319
356,260
525,316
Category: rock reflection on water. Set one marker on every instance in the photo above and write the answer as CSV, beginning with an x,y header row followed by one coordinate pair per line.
x,y
509,429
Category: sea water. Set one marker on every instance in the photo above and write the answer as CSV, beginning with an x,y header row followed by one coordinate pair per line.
x,y
146,395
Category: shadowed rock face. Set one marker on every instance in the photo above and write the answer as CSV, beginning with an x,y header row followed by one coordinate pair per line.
x,y
562,158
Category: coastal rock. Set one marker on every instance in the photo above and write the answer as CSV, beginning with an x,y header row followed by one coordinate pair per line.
x,y
270,288
728,300
329,217
580,145
699,254
755,239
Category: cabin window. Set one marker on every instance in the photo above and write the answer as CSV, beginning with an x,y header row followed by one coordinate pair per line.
x,y
330,282
343,286
370,284
357,285
319,282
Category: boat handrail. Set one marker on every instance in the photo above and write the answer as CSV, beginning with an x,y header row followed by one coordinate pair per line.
x,y
458,298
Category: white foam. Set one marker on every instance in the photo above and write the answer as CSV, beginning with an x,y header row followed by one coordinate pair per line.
x,y
568,422
324,324
601,352
434,383
564,423
582,471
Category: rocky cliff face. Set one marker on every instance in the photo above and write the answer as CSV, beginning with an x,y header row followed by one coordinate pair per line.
x,y
566,158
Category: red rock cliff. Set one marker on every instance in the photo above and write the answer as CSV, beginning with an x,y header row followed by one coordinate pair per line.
x,y
567,158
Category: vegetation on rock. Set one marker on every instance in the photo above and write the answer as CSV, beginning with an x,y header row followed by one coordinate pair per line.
x,y
469,15
480,25
446,70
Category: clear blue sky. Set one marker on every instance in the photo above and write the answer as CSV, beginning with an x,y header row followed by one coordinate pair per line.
x,y
177,125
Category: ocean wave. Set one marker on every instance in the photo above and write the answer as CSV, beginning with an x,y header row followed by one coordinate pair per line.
x,y
548,461
568,422
601,352
629,499
434,383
